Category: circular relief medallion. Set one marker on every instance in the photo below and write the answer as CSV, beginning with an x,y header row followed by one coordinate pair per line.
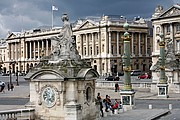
x,y
48,97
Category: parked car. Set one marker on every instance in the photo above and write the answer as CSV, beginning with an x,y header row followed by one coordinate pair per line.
x,y
112,78
144,76
1,83
4,74
136,72
120,73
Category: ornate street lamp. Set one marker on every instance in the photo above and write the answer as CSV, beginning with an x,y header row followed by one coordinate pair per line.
x,y
162,85
127,94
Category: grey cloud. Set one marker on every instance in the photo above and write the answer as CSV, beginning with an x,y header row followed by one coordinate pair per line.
x,y
29,14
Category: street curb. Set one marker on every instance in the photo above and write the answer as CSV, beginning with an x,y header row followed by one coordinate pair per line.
x,y
155,117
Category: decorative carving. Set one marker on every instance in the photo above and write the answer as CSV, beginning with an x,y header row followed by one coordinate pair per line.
x,y
66,44
172,12
47,89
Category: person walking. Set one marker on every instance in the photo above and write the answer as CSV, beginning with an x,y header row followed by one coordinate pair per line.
x,y
101,104
116,87
2,87
12,87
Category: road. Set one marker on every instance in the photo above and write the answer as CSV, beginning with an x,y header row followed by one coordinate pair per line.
x,y
140,103
13,100
156,103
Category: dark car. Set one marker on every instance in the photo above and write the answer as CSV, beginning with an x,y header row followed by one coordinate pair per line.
x,y
120,73
144,76
112,78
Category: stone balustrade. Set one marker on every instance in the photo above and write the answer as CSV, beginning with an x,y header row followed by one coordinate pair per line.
x,y
18,114
111,84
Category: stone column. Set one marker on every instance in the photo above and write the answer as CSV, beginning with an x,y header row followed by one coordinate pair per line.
x,y
26,50
30,49
139,44
132,44
38,50
81,45
42,50
87,46
110,52
118,43
93,44
47,47
146,44
34,50
15,50
9,51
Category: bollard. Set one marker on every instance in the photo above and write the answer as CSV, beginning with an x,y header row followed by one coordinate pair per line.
x,y
170,106
150,106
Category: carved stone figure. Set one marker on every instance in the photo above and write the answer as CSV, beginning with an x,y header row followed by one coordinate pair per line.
x,y
66,44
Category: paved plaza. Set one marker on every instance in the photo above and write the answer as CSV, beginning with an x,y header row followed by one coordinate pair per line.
x,y
22,91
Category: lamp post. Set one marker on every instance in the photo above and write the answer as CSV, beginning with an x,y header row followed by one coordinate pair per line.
x,y
162,85
17,76
10,79
127,93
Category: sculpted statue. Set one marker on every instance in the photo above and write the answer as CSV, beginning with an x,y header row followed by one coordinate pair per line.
x,y
66,44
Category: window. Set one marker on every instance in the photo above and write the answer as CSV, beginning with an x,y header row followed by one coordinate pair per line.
x,y
90,50
97,50
112,49
103,66
158,30
134,49
167,28
141,51
88,94
178,46
134,37
120,50
103,48
84,50
178,27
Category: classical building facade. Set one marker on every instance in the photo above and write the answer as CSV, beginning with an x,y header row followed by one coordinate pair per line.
x,y
25,49
3,54
167,22
99,42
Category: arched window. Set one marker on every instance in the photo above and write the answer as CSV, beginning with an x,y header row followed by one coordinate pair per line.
x,y
88,94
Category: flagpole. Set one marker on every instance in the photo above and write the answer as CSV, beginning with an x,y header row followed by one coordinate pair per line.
x,y
52,16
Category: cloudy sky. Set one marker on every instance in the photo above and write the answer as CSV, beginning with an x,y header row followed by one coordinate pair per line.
x,y
16,15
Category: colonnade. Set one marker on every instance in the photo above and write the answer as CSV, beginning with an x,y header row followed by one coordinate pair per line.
x,y
90,44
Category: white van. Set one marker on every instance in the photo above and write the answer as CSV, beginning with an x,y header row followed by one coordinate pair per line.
x,y
136,72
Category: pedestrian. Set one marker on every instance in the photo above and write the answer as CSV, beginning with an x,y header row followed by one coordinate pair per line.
x,y
2,87
12,87
107,102
115,105
8,87
101,104
116,87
